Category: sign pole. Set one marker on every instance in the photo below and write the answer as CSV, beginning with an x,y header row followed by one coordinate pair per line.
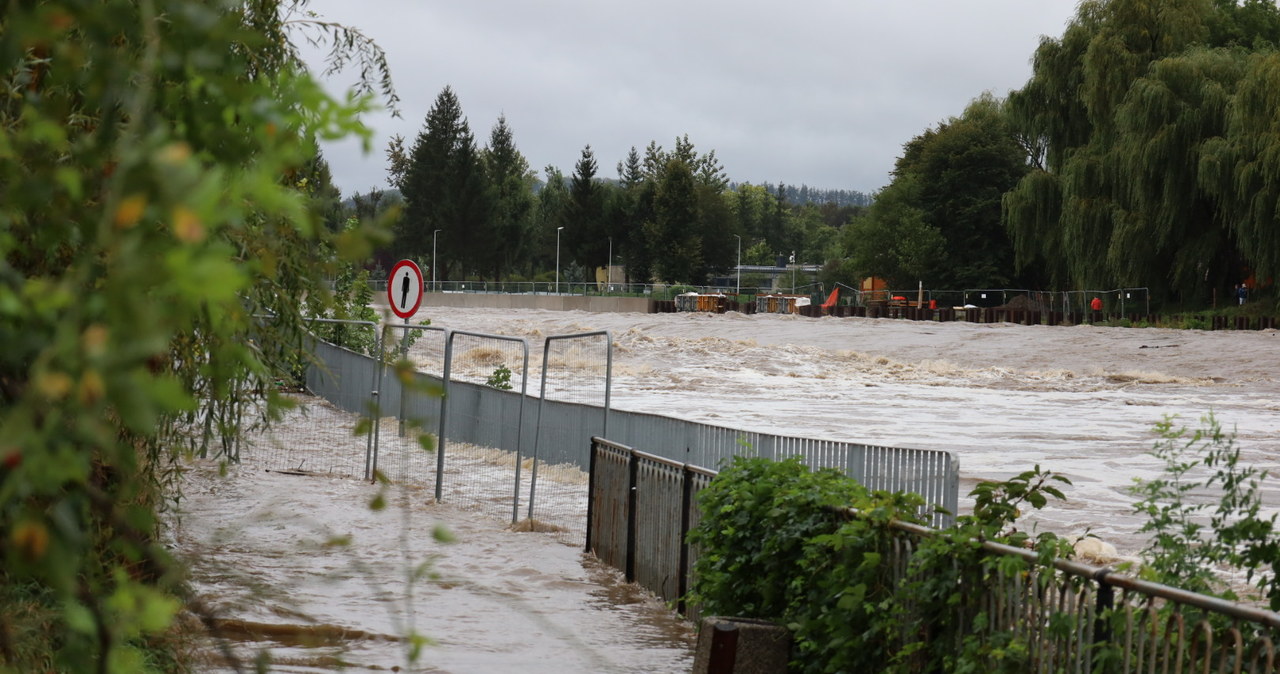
x,y
404,295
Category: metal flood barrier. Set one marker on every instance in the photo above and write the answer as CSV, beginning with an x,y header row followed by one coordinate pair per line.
x,y
1073,617
933,474
561,431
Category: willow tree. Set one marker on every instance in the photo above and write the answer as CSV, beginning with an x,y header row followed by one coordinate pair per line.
x,y
1062,214
1242,169
1146,144
1164,226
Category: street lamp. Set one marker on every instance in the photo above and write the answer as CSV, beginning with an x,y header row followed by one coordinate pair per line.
x,y
433,260
738,289
558,259
793,272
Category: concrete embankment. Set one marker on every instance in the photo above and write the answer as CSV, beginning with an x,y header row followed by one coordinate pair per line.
x,y
552,302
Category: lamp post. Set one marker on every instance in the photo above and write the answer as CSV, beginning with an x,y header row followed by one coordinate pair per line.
x,y
558,259
608,267
433,260
793,272
738,289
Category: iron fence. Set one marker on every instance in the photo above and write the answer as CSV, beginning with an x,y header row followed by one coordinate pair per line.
x,y
1069,614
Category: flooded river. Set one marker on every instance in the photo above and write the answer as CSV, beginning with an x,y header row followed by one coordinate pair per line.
x,y
1080,401
306,555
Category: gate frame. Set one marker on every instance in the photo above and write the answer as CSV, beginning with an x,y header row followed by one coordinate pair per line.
x,y
444,403
542,397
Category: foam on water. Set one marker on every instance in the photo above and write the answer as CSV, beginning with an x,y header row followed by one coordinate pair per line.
x,y
1078,400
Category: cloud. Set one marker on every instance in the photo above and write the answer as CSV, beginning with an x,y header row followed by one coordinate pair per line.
x,y
820,92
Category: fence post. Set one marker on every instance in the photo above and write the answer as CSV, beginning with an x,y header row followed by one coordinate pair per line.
x,y
591,490
1105,602
633,469
686,505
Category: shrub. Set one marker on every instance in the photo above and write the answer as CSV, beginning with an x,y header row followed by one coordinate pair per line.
x,y
818,552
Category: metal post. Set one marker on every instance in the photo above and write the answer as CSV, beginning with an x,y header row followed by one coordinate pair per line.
x,y
433,260
737,289
724,649
558,259
686,506
793,272
608,268
524,393
375,414
444,414
404,353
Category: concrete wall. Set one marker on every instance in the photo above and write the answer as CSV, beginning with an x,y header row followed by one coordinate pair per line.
x,y
553,302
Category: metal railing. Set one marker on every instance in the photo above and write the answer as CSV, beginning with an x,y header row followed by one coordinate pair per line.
x,y
1119,301
641,508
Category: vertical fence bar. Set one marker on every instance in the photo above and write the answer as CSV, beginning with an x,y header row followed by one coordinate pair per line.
x,y
686,515
633,469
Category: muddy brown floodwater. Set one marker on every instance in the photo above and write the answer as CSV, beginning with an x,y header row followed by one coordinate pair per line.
x,y
300,566
1080,401
306,556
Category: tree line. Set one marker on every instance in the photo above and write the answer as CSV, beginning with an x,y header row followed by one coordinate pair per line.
x,y
1140,153
669,214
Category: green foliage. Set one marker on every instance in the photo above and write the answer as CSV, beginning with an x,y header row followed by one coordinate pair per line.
x,y
350,300
500,379
675,226
445,188
511,185
1194,538
1152,149
153,203
816,551
756,517
584,239
938,221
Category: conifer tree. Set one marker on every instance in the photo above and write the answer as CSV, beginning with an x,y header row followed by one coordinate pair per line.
x,y
584,239
511,183
445,189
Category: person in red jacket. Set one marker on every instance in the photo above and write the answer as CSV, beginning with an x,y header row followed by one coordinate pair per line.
x,y
1096,305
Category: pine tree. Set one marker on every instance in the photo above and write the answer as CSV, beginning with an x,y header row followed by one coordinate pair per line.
x,y
445,189
674,229
511,183
584,238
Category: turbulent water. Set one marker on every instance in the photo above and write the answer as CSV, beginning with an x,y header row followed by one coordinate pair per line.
x,y
301,565
1080,401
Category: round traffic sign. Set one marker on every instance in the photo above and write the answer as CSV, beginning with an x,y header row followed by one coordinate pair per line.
x,y
404,288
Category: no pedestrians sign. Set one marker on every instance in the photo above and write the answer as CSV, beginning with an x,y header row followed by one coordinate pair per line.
x,y
404,288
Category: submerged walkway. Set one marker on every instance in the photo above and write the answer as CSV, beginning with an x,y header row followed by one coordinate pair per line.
x,y
301,566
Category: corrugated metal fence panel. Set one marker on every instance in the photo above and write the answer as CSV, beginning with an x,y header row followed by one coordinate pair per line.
x,y
342,377
566,428
609,507
658,495
473,411
422,407
700,481
931,473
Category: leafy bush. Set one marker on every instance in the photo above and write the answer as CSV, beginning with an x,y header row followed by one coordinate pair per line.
x,y
1194,537
500,379
816,551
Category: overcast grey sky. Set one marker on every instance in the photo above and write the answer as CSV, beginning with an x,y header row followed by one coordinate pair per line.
x,y
819,92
